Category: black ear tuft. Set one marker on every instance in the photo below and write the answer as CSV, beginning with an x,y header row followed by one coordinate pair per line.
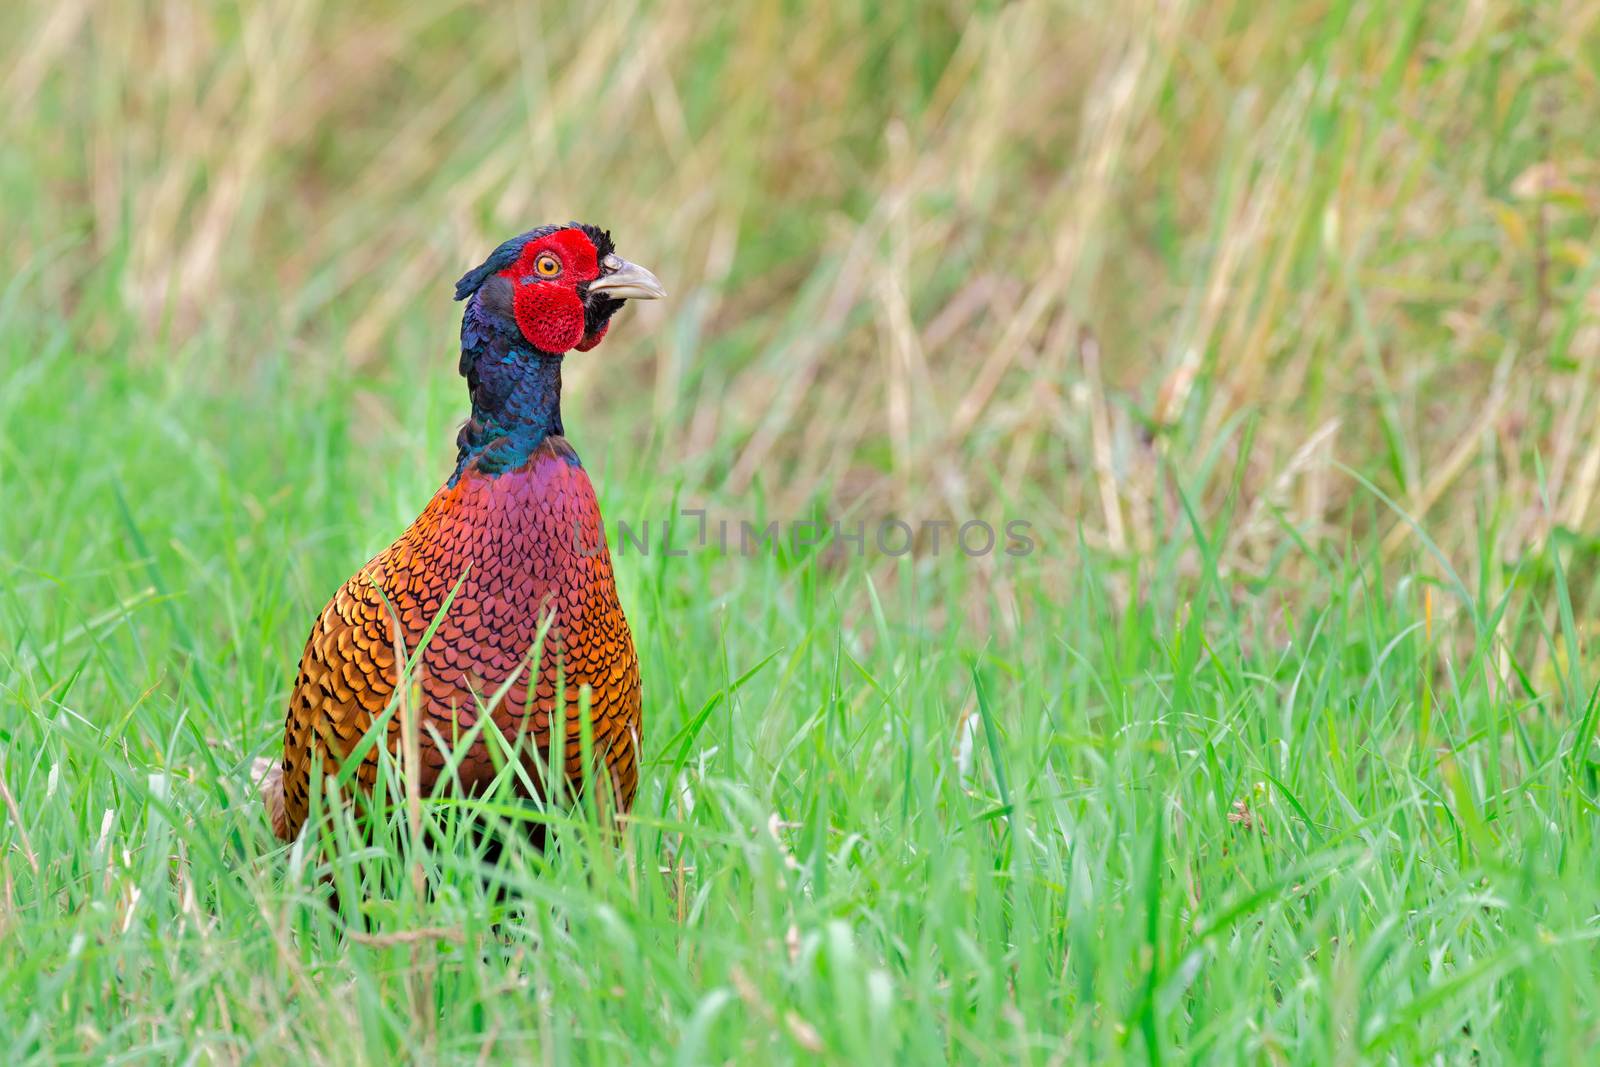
x,y
601,239
498,260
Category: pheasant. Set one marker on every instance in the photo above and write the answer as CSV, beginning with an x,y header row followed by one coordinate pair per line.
x,y
511,550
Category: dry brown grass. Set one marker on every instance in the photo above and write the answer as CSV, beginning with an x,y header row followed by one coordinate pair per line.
x,y
936,258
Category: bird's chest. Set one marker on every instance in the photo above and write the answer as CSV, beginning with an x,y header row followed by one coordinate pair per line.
x,y
504,582
517,537
508,553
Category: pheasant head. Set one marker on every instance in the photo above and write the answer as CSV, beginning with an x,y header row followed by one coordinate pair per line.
x,y
558,285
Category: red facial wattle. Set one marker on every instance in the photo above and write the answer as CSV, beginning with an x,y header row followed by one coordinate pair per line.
x,y
550,316
548,309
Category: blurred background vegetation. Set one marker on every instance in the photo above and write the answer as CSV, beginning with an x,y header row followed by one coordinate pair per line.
x,y
1212,293
926,256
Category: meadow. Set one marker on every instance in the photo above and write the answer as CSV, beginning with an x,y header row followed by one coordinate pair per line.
x,y
1276,322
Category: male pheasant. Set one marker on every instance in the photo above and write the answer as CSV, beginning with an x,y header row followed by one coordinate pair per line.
x,y
516,534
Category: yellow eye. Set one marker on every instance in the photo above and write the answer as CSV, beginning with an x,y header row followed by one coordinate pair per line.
x,y
547,266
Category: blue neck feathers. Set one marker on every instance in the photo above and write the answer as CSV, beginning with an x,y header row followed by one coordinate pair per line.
x,y
516,395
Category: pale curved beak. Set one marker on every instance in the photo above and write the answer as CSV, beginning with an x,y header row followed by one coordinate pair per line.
x,y
628,281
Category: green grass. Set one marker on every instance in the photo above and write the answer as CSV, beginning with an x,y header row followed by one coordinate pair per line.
x,y
1275,320
830,852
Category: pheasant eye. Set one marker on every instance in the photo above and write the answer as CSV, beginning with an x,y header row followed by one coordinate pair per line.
x,y
547,266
